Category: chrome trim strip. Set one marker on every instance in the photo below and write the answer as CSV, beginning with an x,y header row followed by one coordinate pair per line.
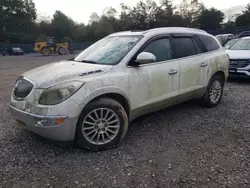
x,y
36,115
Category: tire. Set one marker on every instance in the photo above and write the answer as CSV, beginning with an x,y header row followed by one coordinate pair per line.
x,y
62,51
211,99
45,51
71,51
117,124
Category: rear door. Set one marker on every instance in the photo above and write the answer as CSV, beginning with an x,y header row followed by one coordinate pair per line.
x,y
192,65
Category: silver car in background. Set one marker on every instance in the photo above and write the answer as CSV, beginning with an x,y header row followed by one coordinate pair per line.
x,y
92,98
224,38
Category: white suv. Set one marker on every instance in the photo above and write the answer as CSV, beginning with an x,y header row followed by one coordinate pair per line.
x,y
93,97
239,54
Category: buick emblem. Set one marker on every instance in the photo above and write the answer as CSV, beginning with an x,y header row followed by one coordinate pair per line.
x,y
233,62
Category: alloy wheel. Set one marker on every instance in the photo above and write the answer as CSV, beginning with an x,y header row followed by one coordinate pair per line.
x,y
100,126
215,91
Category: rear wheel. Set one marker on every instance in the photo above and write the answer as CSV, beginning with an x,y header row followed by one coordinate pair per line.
x,y
102,125
62,51
45,51
214,91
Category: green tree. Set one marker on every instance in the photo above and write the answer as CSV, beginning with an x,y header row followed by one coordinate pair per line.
x,y
126,20
166,15
16,16
244,18
80,33
17,20
62,26
139,16
45,27
190,11
109,20
210,19
94,17
41,38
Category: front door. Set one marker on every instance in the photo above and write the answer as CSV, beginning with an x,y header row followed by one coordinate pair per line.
x,y
154,85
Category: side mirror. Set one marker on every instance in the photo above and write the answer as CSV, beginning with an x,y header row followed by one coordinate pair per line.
x,y
145,57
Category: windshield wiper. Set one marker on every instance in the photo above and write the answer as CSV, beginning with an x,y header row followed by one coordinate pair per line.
x,y
89,61
83,61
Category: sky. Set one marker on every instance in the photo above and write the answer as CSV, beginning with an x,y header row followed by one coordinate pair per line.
x,y
80,10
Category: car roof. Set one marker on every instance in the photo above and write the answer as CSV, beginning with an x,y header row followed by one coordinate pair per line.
x,y
162,30
245,38
245,32
225,34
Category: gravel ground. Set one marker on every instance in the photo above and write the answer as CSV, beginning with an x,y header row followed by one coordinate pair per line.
x,y
183,146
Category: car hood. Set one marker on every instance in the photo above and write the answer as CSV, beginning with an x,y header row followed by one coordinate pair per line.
x,y
239,54
63,71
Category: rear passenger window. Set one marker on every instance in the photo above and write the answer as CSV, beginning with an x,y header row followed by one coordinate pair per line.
x,y
184,47
210,43
197,47
161,48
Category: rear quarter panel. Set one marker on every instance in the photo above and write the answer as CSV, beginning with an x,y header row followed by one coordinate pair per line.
x,y
218,61
224,57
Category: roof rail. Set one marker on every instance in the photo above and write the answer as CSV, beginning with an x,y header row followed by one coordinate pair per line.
x,y
127,31
177,28
137,30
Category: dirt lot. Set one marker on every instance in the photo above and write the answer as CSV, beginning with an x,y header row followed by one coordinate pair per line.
x,y
184,146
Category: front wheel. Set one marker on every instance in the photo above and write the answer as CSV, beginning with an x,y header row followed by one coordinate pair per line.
x,y
214,91
45,51
102,125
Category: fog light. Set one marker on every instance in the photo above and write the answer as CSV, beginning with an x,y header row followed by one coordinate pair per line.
x,y
42,122
46,122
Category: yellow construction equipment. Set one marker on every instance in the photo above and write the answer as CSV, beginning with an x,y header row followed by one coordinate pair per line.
x,y
49,46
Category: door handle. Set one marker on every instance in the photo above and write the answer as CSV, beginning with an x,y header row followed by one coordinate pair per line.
x,y
172,72
203,64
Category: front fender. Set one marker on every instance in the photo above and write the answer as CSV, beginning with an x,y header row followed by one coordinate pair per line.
x,y
83,100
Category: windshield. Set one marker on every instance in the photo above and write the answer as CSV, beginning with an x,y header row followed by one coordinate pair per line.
x,y
243,44
230,43
109,50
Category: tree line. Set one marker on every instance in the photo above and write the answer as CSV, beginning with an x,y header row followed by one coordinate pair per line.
x,y
18,20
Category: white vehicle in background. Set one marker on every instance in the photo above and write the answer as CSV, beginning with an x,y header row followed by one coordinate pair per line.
x,y
92,98
239,55
230,43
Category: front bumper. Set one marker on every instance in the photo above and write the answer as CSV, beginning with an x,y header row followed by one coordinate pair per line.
x,y
63,132
239,72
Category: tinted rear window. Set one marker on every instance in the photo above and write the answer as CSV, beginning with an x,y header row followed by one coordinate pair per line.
x,y
209,42
184,47
198,49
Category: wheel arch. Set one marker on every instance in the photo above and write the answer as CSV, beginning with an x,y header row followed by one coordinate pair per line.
x,y
220,73
121,99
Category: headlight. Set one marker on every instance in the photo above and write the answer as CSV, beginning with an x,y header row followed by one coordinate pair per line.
x,y
59,93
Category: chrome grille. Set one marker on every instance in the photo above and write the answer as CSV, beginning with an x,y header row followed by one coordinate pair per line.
x,y
239,63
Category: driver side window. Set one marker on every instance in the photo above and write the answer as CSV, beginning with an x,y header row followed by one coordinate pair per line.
x,y
161,48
